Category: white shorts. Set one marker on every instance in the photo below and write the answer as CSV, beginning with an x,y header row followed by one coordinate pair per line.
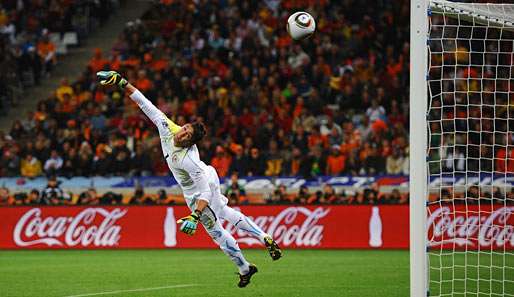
x,y
217,201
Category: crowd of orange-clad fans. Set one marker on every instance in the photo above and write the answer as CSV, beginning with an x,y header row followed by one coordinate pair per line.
x,y
333,105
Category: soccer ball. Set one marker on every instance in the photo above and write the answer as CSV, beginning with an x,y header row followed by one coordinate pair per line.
x,y
300,25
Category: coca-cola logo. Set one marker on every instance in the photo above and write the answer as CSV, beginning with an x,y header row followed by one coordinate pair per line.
x,y
32,228
467,229
293,225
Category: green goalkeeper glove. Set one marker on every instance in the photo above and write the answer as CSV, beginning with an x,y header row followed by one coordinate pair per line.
x,y
110,78
189,223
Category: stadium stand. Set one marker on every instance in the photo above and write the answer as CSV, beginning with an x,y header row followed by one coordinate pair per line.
x,y
33,33
333,105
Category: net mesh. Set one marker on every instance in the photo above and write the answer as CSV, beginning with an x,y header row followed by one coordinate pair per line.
x,y
470,156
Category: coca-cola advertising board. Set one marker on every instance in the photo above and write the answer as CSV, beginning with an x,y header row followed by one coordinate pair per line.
x,y
385,226
485,226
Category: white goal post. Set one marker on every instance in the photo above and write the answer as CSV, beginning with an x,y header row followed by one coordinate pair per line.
x,y
461,148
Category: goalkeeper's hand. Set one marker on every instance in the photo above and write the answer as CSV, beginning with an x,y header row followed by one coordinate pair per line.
x,y
189,223
110,78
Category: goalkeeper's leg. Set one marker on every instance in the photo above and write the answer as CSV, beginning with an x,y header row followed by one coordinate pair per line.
x,y
227,244
246,224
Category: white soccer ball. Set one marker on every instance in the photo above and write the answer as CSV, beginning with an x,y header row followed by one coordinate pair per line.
x,y
300,25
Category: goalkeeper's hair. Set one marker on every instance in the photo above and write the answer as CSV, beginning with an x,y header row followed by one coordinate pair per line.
x,y
199,132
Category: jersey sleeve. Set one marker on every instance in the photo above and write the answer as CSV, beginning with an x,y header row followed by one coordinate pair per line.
x,y
166,126
199,177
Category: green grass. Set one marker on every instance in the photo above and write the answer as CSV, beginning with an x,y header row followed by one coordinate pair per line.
x,y
471,273
299,273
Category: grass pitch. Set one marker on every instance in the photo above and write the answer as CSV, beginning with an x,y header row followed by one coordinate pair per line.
x,y
202,273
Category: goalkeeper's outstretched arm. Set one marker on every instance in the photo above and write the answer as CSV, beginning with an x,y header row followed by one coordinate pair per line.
x,y
152,112
114,78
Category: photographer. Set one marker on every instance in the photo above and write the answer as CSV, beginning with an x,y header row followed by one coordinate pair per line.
x,y
53,194
235,192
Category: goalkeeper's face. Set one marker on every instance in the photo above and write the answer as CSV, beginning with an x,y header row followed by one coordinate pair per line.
x,y
183,137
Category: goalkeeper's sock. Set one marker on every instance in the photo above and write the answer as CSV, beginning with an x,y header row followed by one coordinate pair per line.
x,y
229,246
243,222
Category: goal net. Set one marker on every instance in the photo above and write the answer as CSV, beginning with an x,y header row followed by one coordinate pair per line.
x,y
470,154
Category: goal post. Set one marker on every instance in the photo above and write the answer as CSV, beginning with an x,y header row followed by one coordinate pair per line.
x,y
461,148
418,146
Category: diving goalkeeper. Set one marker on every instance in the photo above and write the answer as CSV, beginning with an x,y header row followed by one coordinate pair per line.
x,y
199,182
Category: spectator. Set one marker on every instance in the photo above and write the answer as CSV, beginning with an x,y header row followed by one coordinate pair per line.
x,y
335,137
139,162
504,160
98,62
46,51
394,198
54,164
235,187
98,120
300,139
279,196
102,164
256,165
274,160
317,198
19,198
121,164
335,162
329,194
331,128
5,198
70,163
375,112
221,161
64,88
17,130
360,199
143,83
110,198
31,167
10,163
303,195
33,198
31,61
163,199
89,197
233,199
316,163
239,161
317,139
373,163
372,194
294,163
85,161
395,163
140,198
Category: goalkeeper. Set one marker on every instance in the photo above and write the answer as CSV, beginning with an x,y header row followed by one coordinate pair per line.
x,y
198,181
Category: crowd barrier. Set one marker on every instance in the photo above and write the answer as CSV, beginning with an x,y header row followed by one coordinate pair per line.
x,y
331,226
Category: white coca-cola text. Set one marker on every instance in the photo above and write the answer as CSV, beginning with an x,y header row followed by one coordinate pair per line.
x,y
296,225
488,229
32,228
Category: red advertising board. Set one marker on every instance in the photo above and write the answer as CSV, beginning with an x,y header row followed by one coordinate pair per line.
x,y
485,226
385,226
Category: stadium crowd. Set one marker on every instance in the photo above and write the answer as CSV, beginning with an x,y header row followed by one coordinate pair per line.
x,y
335,104
27,52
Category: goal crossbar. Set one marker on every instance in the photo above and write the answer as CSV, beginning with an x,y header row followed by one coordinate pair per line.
x,y
489,14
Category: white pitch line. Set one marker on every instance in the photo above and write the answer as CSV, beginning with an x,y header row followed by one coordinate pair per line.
x,y
134,290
